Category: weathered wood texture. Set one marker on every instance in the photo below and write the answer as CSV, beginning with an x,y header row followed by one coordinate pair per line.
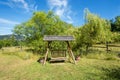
x,y
71,55
46,56
58,38
58,53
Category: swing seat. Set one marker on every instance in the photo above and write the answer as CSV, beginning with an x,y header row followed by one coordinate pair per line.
x,y
58,59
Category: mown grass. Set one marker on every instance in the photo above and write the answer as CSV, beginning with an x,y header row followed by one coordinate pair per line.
x,y
15,68
23,65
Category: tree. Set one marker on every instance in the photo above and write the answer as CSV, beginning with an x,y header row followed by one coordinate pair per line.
x,y
95,30
115,24
115,28
39,25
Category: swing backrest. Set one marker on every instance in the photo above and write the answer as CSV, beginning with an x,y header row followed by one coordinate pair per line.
x,y
58,53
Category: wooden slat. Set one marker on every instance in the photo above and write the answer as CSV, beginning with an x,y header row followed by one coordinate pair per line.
x,y
58,38
58,53
58,59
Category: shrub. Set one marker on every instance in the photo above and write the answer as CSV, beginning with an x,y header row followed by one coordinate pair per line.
x,y
0,46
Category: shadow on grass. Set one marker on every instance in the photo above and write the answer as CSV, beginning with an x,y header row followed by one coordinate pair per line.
x,y
112,73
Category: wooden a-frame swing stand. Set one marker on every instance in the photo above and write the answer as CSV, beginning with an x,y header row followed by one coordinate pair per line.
x,y
49,39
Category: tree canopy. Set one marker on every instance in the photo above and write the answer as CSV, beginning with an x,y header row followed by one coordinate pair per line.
x,y
115,24
39,25
95,30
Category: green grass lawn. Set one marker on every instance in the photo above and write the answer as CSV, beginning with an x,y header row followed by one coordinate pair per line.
x,y
15,68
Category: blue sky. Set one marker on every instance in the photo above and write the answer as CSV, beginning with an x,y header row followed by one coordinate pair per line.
x,y
13,12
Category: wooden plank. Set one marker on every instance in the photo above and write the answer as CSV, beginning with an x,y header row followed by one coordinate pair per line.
x,y
58,59
46,56
58,38
58,53
72,56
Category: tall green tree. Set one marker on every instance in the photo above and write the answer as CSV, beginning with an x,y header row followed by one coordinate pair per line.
x,y
39,25
95,30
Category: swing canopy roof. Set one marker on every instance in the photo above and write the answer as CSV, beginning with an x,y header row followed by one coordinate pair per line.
x,y
58,38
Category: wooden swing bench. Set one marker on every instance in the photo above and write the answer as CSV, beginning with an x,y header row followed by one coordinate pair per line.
x,y
61,53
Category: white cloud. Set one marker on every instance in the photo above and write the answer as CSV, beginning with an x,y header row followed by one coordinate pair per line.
x,y
57,3
6,3
24,4
61,8
28,6
5,21
6,26
70,19
60,12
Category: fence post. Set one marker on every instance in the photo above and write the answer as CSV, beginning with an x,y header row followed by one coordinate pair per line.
x,y
107,47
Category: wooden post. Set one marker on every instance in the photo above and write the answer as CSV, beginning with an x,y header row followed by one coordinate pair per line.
x,y
70,52
48,46
46,55
107,47
69,59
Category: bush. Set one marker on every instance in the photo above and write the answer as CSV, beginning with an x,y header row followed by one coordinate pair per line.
x,y
1,45
116,37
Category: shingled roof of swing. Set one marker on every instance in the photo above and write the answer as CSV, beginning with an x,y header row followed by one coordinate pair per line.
x,y
57,38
